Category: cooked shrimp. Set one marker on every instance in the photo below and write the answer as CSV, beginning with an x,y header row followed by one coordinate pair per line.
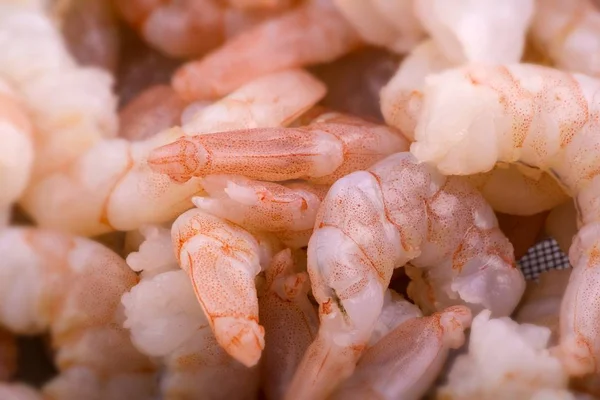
x,y
506,361
287,210
569,32
114,188
561,224
394,312
16,152
312,33
222,261
487,31
543,118
290,322
390,24
36,63
8,355
167,322
404,364
330,147
72,286
155,109
373,221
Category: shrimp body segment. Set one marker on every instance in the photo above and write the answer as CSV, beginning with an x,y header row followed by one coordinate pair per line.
x,y
376,220
475,116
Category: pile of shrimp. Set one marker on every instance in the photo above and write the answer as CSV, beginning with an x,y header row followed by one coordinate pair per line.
x,y
298,199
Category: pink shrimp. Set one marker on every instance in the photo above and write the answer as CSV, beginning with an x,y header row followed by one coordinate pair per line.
x,y
330,147
72,286
312,33
290,322
373,221
543,118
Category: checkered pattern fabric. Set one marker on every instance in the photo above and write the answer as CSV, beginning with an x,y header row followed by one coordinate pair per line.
x,y
542,257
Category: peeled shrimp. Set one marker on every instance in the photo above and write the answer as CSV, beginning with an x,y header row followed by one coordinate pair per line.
x,y
310,34
506,361
475,116
288,210
373,221
390,24
569,31
290,322
405,363
394,312
330,147
72,286
16,152
167,322
112,185
34,60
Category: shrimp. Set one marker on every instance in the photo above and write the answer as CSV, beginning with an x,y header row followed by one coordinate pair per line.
x,y
394,312
222,261
373,221
389,24
310,34
16,152
543,118
167,322
155,109
532,190
288,211
569,32
290,322
114,188
506,361
487,31
330,147
35,61
404,364
72,286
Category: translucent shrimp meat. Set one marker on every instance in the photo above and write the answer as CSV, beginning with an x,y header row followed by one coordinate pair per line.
x,y
312,33
473,117
72,286
114,188
405,363
372,221
167,322
506,361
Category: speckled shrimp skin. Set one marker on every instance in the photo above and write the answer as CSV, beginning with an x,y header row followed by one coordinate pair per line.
x,y
72,286
398,211
476,116
331,146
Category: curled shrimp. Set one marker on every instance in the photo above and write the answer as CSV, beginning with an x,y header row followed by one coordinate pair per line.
x,y
167,322
506,361
568,31
404,363
543,118
116,190
72,286
286,210
222,261
309,34
290,321
330,147
373,221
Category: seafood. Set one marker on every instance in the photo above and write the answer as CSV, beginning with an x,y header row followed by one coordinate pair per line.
x,y
398,211
406,361
288,211
569,32
331,146
167,322
309,34
72,286
522,366
290,322
116,190
540,117
394,312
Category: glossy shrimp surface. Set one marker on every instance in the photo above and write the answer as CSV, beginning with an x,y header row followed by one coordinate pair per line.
x,y
372,221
